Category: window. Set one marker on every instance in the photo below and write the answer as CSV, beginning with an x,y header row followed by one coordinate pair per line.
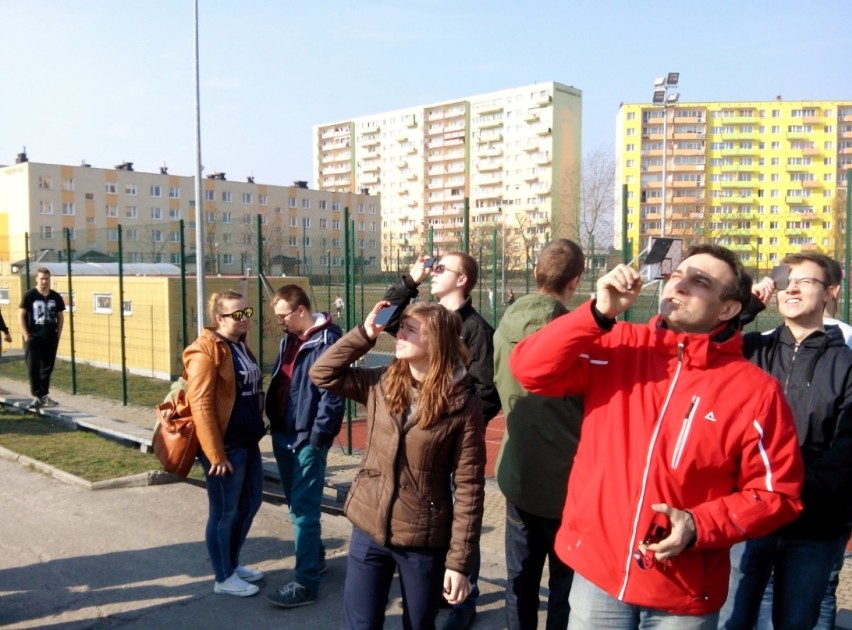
x,y
226,196
68,184
306,204
263,200
294,222
174,236
156,191
323,224
68,209
323,204
130,189
103,303
209,195
45,182
228,259
131,212
211,217
111,210
306,222
174,214
110,188
227,217
45,232
246,197
157,236
156,213
174,192
291,202
335,205
45,207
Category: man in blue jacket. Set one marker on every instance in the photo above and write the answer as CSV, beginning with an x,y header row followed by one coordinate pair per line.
x,y
304,420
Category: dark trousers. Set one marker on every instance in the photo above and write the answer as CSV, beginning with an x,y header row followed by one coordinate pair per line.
x,y
40,355
529,542
369,571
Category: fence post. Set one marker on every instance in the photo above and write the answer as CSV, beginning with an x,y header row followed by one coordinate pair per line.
x,y
70,308
123,344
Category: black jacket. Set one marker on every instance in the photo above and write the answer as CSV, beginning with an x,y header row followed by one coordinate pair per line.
x,y
477,334
816,376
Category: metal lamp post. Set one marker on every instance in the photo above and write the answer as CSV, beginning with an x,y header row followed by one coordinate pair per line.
x,y
662,97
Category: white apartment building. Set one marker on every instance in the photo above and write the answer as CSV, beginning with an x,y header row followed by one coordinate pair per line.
x,y
303,229
514,154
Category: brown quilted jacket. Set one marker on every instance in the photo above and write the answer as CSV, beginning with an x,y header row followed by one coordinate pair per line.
x,y
402,494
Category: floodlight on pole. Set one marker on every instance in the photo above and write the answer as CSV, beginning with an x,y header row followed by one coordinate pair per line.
x,y
662,97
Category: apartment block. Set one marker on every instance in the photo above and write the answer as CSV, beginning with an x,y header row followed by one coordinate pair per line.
x,y
514,155
762,178
303,229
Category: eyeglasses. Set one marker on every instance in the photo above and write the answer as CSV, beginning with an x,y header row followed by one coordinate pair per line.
x,y
439,269
237,316
807,282
281,318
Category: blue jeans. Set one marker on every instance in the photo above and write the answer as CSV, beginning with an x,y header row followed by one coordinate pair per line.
x,y
234,499
800,569
593,608
369,571
303,478
529,542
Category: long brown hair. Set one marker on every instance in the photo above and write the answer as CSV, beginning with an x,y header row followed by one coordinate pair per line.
x,y
441,331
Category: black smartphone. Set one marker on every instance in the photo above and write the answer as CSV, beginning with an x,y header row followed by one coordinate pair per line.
x,y
428,263
659,529
780,275
385,315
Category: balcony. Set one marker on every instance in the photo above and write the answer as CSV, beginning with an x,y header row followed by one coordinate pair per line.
x,y
811,152
488,166
542,158
740,151
488,108
544,101
795,200
373,167
796,168
797,135
743,199
812,184
740,120
738,184
531,117
813,120
489,124
370,179
531,145
543,131
491,152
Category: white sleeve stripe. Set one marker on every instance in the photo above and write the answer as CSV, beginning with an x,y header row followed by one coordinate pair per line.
x,y
764,456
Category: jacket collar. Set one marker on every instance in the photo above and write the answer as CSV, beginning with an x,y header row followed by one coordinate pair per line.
x,y
699,349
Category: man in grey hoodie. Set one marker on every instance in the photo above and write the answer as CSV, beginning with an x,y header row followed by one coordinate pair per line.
x,y
538,448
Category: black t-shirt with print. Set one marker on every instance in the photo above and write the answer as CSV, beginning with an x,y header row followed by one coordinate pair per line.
x,y
42,313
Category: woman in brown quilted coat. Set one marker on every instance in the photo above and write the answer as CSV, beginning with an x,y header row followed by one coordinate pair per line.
x,y
424,436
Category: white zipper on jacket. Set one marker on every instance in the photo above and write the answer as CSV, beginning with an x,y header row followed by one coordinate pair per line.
x,y
630,561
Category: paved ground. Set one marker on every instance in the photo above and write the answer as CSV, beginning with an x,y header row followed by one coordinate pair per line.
x,y
76,558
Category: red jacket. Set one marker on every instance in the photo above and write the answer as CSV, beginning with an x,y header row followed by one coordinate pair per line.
x,y
669,418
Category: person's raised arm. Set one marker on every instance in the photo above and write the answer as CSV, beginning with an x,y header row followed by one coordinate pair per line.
x,y
617,291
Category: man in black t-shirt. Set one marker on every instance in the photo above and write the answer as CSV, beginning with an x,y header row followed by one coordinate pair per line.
x,y
41,317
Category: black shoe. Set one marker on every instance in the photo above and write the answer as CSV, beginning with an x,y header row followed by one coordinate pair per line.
x,y
47,401
459,619
292,596
35,405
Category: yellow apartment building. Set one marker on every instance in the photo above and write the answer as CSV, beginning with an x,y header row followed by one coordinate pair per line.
x,y
302,228
515,154
762,178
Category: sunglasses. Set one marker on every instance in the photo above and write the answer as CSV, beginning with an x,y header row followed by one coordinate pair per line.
x,y
281,317
439,269
237,316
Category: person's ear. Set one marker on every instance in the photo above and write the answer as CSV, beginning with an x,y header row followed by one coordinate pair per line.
x,y
730,309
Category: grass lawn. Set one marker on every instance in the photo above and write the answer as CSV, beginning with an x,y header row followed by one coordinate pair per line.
x,y
94,381
80,453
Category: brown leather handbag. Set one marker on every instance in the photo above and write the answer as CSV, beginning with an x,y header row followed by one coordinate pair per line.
x,y
175,441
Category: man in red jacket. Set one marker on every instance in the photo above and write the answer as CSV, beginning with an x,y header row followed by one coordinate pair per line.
x,y
686,449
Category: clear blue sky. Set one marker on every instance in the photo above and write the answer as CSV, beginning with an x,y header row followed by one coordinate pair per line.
x,y
110,81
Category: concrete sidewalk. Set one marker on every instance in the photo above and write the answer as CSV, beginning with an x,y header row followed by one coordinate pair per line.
x,y
135,556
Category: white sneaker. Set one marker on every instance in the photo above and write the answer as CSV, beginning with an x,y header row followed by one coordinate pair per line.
x,y
236,587
247,574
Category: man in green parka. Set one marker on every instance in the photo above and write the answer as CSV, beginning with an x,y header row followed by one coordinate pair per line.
x,y
538,448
